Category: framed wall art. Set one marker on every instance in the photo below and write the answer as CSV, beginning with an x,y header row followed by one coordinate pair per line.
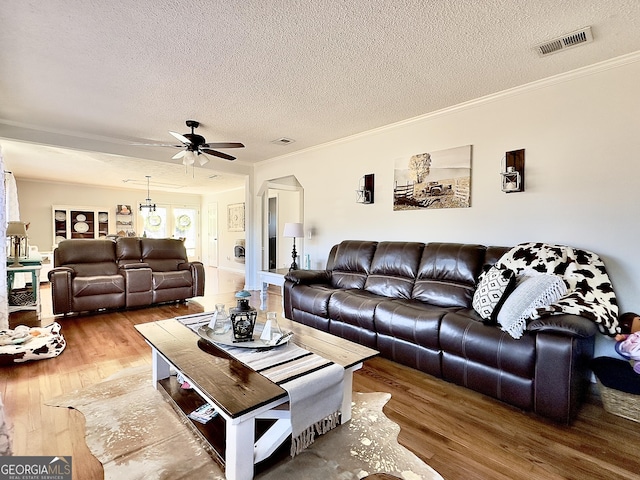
x,y
235,217
429,180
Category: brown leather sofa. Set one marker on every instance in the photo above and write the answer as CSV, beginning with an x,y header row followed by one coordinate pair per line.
x,y
98,274
412,302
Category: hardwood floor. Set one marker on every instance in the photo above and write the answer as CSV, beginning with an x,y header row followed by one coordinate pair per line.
x,y
460,433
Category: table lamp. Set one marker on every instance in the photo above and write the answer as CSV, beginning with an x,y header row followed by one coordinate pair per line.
x,y
293,230
17,232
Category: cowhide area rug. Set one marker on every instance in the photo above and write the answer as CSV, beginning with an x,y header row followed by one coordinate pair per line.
x,y
136,434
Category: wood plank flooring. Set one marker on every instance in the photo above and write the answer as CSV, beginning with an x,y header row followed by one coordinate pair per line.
x,y
460,433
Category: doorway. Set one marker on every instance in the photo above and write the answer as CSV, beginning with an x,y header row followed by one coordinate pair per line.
x,y
273,233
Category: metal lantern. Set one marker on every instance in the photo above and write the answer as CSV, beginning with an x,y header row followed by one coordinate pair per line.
x,y
243,318
511,181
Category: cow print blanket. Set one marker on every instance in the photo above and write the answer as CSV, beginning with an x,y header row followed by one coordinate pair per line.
x,y
35,343
589,290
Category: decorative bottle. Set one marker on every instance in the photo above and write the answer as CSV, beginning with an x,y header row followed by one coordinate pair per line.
x,y
220,323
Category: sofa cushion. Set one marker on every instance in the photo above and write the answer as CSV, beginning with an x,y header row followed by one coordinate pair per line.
x,y
462,335
493,288
447,274
163,255
394,268
351,313
128,250
408,333
166,280
98,285
352,263
87,257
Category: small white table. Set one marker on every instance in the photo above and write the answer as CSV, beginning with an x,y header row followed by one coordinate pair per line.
x,y
270,277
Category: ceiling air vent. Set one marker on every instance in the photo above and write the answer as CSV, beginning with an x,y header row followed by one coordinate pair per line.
x,y
283,141
570,40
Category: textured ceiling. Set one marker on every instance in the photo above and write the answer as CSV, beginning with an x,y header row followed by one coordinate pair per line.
x,y
100,76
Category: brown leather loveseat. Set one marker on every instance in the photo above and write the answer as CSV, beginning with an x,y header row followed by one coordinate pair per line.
x,y
413,303
95,274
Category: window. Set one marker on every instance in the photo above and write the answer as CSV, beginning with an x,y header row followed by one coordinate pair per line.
x,y
173,222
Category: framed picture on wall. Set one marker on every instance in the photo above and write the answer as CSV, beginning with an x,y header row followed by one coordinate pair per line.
x,y
235,217
430,180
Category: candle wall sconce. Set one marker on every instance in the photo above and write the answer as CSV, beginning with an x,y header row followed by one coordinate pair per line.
x,y
364,194
512,174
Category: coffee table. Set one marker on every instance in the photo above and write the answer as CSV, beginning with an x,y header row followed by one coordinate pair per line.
x,y
245,400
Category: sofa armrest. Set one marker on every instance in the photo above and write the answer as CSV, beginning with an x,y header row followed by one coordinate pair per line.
x,y
61,270
60,279
197,275
566,324
134,266
308,277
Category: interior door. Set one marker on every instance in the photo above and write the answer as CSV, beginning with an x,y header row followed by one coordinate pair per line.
x,y
212,235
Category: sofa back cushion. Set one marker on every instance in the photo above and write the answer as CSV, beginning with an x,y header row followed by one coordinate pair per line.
x,y
352,263
128,250
493,254
163,254
87,257
447,274
394,268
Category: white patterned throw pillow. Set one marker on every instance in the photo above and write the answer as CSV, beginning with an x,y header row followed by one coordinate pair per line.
x,y
531,293
493,287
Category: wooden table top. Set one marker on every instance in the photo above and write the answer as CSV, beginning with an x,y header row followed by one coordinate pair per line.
x,y
235,388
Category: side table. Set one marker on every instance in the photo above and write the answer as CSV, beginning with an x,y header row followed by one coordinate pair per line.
x,y
270,277
32,303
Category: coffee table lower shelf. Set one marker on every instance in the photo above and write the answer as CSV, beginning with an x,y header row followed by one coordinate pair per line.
x,y
213,433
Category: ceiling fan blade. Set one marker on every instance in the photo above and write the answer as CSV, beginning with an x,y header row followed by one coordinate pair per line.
x,y
181,137
223,145
178,155
217,154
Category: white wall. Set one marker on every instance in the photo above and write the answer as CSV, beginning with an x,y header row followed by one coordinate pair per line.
x,y
37,197
581,135
226,239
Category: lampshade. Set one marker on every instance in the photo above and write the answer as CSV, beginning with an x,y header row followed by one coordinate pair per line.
x,y
293,230
16,229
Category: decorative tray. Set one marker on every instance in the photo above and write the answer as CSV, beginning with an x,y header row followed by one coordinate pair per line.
x,y
227,338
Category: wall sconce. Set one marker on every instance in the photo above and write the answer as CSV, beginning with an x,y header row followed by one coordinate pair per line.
x,y
513,172
364,194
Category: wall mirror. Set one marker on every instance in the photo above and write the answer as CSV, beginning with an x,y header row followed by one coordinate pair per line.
x,y
282,202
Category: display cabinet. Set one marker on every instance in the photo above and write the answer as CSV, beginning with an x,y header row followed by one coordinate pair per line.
x,y
80,222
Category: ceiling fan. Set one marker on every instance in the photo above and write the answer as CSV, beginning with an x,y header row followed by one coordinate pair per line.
x,y
195,147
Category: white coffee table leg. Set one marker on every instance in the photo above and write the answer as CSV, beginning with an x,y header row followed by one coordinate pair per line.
x,y
160,367
239,450
347,396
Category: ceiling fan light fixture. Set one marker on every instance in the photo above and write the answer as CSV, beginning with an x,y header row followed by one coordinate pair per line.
x,y
189,158
202,159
